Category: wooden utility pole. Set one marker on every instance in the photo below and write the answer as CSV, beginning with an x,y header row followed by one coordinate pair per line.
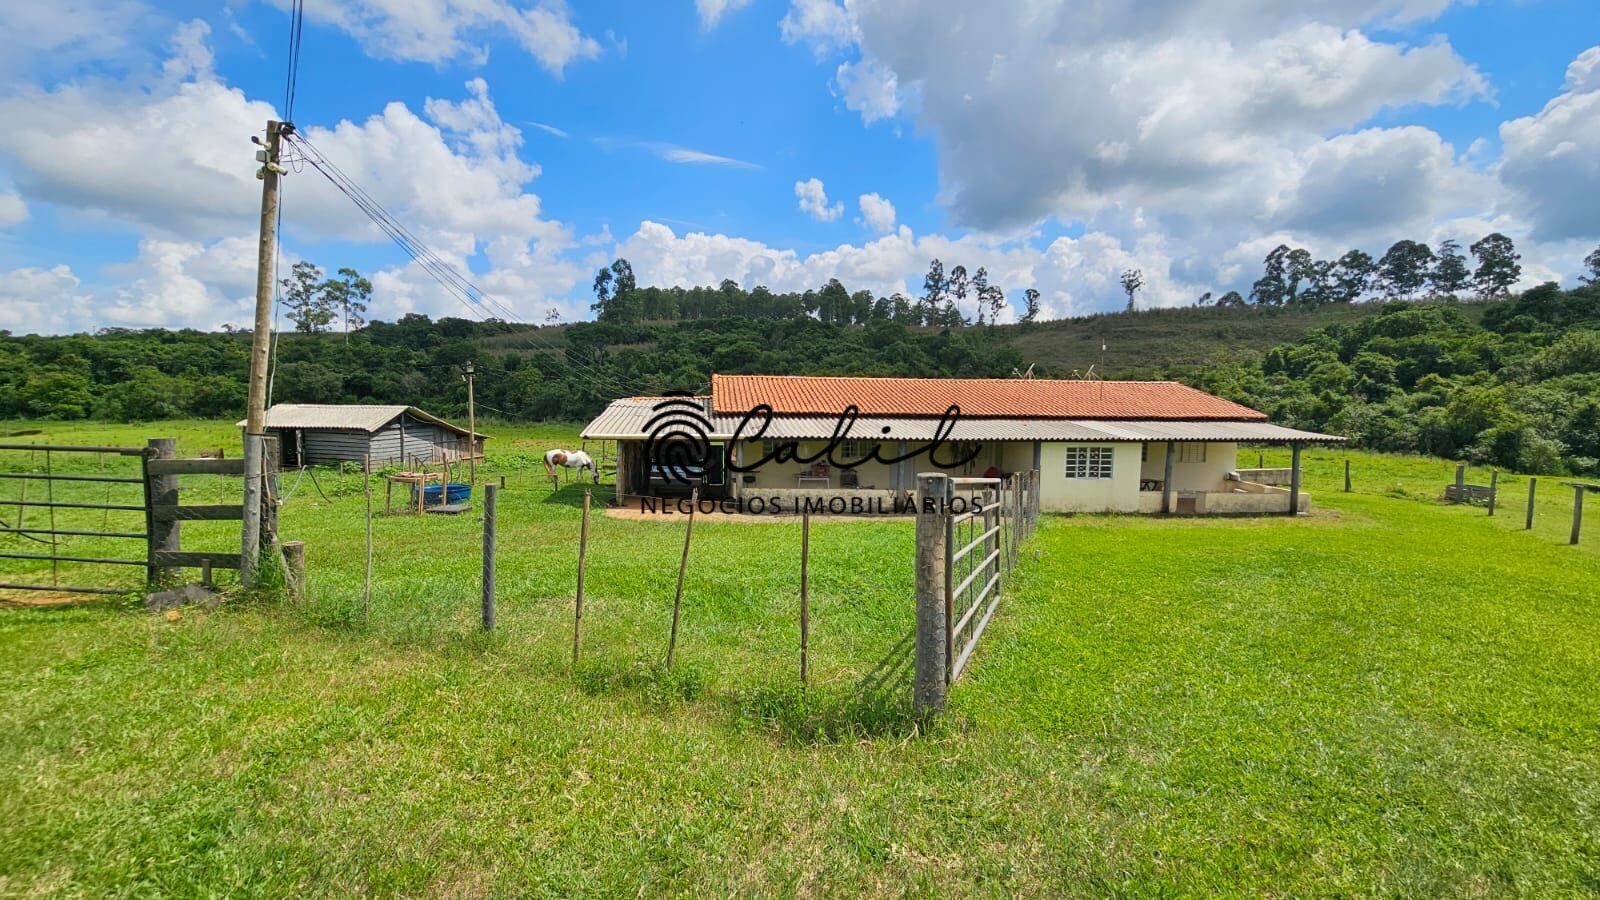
x,y
256,406
1533,490
472,426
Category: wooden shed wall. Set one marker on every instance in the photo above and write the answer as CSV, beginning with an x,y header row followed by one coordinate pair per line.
x,y
422,442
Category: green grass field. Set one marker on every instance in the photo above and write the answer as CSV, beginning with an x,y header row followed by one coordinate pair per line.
x,y
1389,697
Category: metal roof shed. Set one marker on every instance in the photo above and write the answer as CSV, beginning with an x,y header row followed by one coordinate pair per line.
x,y
322,433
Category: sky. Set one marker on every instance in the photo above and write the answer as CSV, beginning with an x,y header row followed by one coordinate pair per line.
x,y
779,142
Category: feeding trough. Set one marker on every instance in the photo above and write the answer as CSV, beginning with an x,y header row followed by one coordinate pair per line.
x,y
454,497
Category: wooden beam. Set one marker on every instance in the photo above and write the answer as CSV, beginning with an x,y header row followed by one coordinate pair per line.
x,y
212,512
195,559
168,466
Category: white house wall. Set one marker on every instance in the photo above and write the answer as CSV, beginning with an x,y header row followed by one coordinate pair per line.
x,y
1210,475
1119,493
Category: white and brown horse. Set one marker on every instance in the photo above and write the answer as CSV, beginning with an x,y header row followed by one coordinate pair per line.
x,y
570,459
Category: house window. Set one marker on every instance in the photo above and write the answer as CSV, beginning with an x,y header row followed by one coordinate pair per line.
x,y
1088,462
852,449
769,449
1191,453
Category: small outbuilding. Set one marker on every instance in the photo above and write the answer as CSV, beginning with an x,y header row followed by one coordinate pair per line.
x,y
311,434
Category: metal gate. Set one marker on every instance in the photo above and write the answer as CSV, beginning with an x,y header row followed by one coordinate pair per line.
x,y
59,506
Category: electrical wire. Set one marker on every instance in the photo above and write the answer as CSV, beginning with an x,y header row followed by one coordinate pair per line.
x,y
473,298
291,80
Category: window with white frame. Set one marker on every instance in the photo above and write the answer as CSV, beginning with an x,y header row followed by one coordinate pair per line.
x,y
1191,453
1088,462
853,449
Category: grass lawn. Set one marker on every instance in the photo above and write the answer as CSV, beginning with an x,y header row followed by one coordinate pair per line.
x,y
1389,697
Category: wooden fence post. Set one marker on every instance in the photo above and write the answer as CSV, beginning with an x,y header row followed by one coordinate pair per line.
x,y
683,565
1533,487
294,561
162,491
489,491
805,598
583,558
1577,512
1461,483
1347,476
1494,488
933,492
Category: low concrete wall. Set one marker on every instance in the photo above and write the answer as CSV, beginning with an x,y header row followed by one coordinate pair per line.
x,y
1267,476
1248,502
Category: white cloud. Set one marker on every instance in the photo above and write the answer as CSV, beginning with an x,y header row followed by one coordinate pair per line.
x,y
67,32
877,213
440,31
13,210
41,301
814,200
824,25
1074,275
550,129
1551,160
869,88
692,157
712,11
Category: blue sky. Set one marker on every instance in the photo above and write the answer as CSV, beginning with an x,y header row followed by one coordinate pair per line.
x,y
531,140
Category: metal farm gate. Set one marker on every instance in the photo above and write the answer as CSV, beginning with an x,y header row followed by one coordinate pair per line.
x,y
969,531
65,501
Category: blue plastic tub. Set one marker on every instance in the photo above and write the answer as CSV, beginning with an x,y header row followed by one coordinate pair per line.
x,y
454,492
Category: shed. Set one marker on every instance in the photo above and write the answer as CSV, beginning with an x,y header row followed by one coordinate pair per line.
x,y
321,433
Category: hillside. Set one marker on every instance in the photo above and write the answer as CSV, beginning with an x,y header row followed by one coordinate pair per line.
x,y
1151,341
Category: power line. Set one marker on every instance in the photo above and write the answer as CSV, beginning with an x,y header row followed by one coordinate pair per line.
x,y
291,79
448,276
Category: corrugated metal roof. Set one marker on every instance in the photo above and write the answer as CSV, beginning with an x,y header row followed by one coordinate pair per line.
x,y
346,417
631,418
977,397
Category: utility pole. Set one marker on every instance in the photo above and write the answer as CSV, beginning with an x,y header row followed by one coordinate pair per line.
x,y
472,426
256,408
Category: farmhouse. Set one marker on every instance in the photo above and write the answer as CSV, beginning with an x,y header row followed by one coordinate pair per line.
x,y
312,434
1099,446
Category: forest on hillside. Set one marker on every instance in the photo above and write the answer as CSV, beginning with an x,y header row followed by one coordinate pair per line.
x,y
1515,384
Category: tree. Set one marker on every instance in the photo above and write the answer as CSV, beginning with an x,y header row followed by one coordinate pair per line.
x,y
1231,298
933,286
1403,270
1450,275
348,295
1203,300
622,271
602,289
1592,263
1272,288
1031,309
305,298
955,288
990,296
553,317
1132,280
1300,268
1498,268
1351,277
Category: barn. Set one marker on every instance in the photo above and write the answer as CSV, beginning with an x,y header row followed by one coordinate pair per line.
x,y
313,434
1099,446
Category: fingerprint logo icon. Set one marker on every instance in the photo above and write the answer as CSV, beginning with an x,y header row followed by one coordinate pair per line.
x,y
678,442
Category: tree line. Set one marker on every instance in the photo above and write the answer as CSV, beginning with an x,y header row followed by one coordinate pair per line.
x,y
942,304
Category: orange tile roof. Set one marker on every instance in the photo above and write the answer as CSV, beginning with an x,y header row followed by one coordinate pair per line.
x,y
977,397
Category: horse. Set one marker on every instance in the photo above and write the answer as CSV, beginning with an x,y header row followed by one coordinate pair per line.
x,y
571,459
